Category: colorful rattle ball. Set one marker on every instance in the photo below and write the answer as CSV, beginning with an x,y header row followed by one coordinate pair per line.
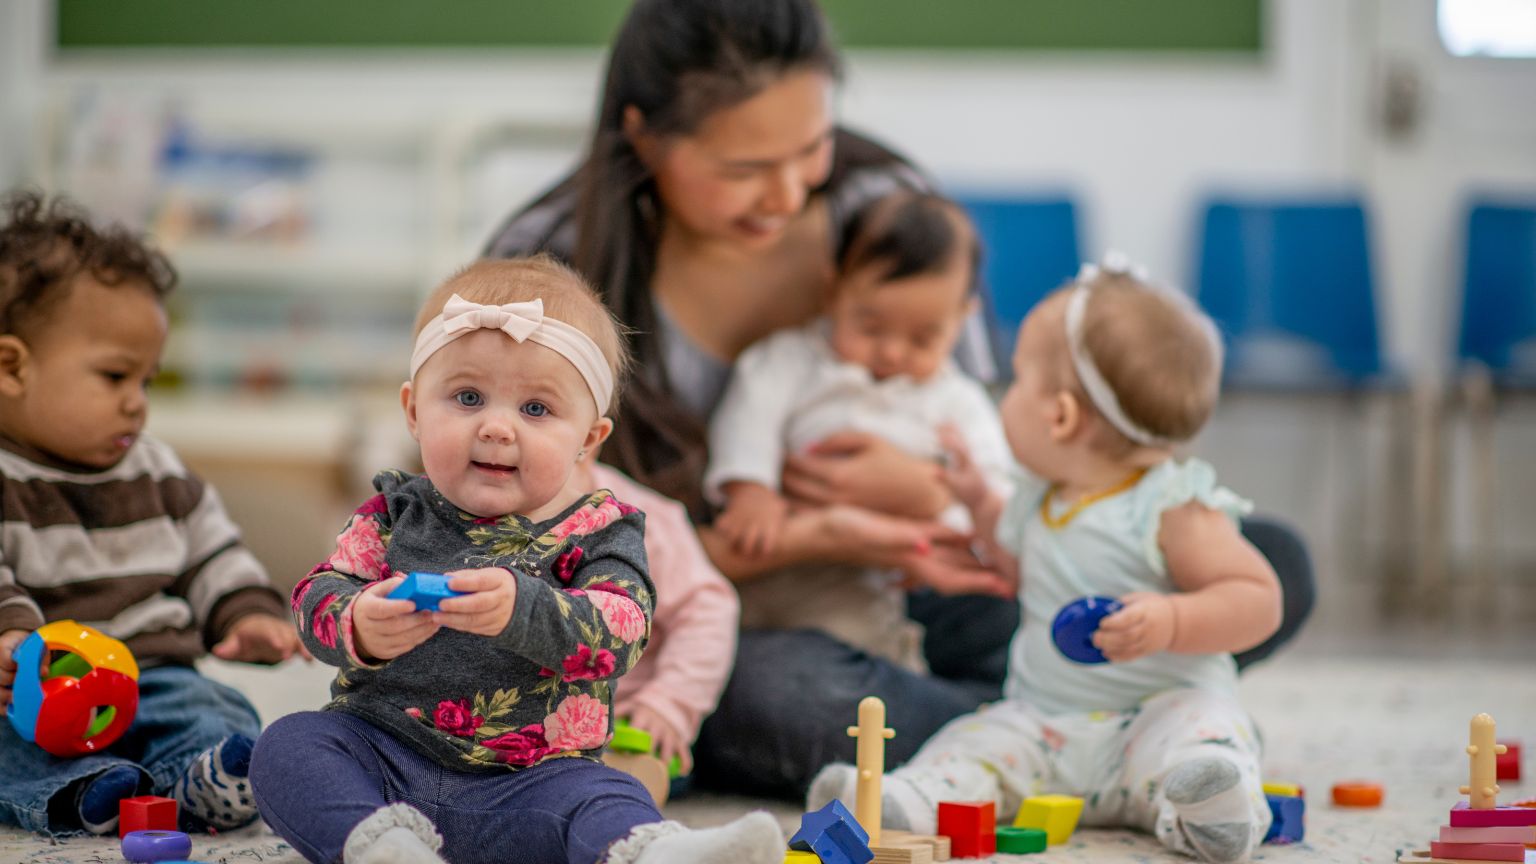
x,y
86,699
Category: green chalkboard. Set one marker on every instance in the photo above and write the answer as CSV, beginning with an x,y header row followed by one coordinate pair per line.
x,y
1073,25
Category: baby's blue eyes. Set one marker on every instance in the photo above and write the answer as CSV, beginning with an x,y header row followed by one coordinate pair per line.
x,y
473,399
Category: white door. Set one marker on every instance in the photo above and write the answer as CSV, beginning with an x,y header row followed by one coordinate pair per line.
x,y
1440,130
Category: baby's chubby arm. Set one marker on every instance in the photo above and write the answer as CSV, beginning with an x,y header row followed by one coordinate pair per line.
x,y
753,517
1228,596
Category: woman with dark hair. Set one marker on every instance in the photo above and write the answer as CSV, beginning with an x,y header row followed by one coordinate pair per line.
x,y
710,211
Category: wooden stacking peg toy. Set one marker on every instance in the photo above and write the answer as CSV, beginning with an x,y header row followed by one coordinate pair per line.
x,y
1483,752
872,735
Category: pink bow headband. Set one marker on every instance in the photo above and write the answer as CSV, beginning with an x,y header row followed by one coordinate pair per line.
x,y
522,321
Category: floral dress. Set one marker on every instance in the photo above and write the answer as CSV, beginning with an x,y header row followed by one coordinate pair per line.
x,y
540,689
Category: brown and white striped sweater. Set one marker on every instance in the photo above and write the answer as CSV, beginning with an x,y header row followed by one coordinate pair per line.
x,y
143,551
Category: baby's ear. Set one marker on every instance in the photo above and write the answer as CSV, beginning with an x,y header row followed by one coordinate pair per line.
x,y
1066,416
595,437
15,359
408,405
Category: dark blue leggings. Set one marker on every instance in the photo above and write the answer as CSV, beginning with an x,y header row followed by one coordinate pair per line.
x,y
318,774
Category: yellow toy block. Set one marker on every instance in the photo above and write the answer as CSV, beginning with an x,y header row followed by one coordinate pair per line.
x,y
795,856
1056,815
1288,790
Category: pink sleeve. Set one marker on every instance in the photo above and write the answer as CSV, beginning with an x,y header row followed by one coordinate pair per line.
x,y
693,632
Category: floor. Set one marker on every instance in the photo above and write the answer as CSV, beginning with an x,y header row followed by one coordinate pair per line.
x,y
1393,708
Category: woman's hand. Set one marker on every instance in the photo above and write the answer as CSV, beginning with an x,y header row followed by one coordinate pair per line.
x,y
490,594
382,628
864,470
668,742
950,567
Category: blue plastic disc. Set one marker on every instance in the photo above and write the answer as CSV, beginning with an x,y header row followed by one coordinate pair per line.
x,y
151,846
1073,629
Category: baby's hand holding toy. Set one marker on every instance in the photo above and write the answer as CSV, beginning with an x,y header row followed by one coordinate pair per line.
x,y
1144,627
490,594
8,642
385,628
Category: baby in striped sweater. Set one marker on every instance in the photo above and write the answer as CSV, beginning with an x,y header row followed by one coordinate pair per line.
x,y
102,524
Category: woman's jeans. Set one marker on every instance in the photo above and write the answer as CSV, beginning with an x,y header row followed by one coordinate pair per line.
x,y
180,715
317,774
793,693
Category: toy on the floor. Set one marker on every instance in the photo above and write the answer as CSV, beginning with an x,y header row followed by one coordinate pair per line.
x,y
1056,815
426,590
886,847
145,813
148,847
628,739
971,827
1288,819
1508,765
632,751
834,835
1020,841
871,733
1074,626
1289,790
1358,793
1480,829
88,696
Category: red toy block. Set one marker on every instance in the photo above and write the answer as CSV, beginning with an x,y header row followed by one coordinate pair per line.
x,y
1507,764
971,827
146,813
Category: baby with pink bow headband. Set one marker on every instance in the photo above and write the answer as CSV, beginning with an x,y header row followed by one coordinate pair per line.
x,y
473,708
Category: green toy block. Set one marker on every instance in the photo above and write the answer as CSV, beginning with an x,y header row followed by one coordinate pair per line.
x,y
628,739
1019,841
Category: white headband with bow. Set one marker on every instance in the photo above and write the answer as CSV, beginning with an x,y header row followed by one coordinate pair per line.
x,y
524,322
1099,392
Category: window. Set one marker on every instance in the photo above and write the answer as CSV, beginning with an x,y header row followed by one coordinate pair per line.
x,y
1488,28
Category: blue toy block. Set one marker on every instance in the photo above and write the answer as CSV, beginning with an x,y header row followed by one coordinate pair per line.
x,y
834,835
426,590
1075,625
1289,823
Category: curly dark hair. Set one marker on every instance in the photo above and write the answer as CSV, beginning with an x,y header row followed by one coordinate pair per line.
x,y
45,244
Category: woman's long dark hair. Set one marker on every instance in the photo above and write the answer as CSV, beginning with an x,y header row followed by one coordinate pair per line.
x,y
677,62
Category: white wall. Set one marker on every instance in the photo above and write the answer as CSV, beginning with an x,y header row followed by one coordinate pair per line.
x,y
21,68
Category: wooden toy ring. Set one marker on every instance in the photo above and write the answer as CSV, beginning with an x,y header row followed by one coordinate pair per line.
x,y
86,700
152,846
1357,794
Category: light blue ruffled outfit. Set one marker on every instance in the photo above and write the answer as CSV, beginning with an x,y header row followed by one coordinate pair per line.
x,y
1109,549
1110,732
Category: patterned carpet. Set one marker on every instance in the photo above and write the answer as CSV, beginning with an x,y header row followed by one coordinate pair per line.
x,y
1401,722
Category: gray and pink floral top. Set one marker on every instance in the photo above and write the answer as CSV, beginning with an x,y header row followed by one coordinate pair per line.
x,y
543,687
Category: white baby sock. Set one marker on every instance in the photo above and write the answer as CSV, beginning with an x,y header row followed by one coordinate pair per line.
x,y
1215,817
396,834
216,787
753,839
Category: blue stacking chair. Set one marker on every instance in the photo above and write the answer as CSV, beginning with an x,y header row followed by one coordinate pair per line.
x,y
1498,312
1290,284
1496,349
1029,248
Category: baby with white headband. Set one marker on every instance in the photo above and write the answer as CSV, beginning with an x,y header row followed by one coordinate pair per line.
x,y
472,727
1112,373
